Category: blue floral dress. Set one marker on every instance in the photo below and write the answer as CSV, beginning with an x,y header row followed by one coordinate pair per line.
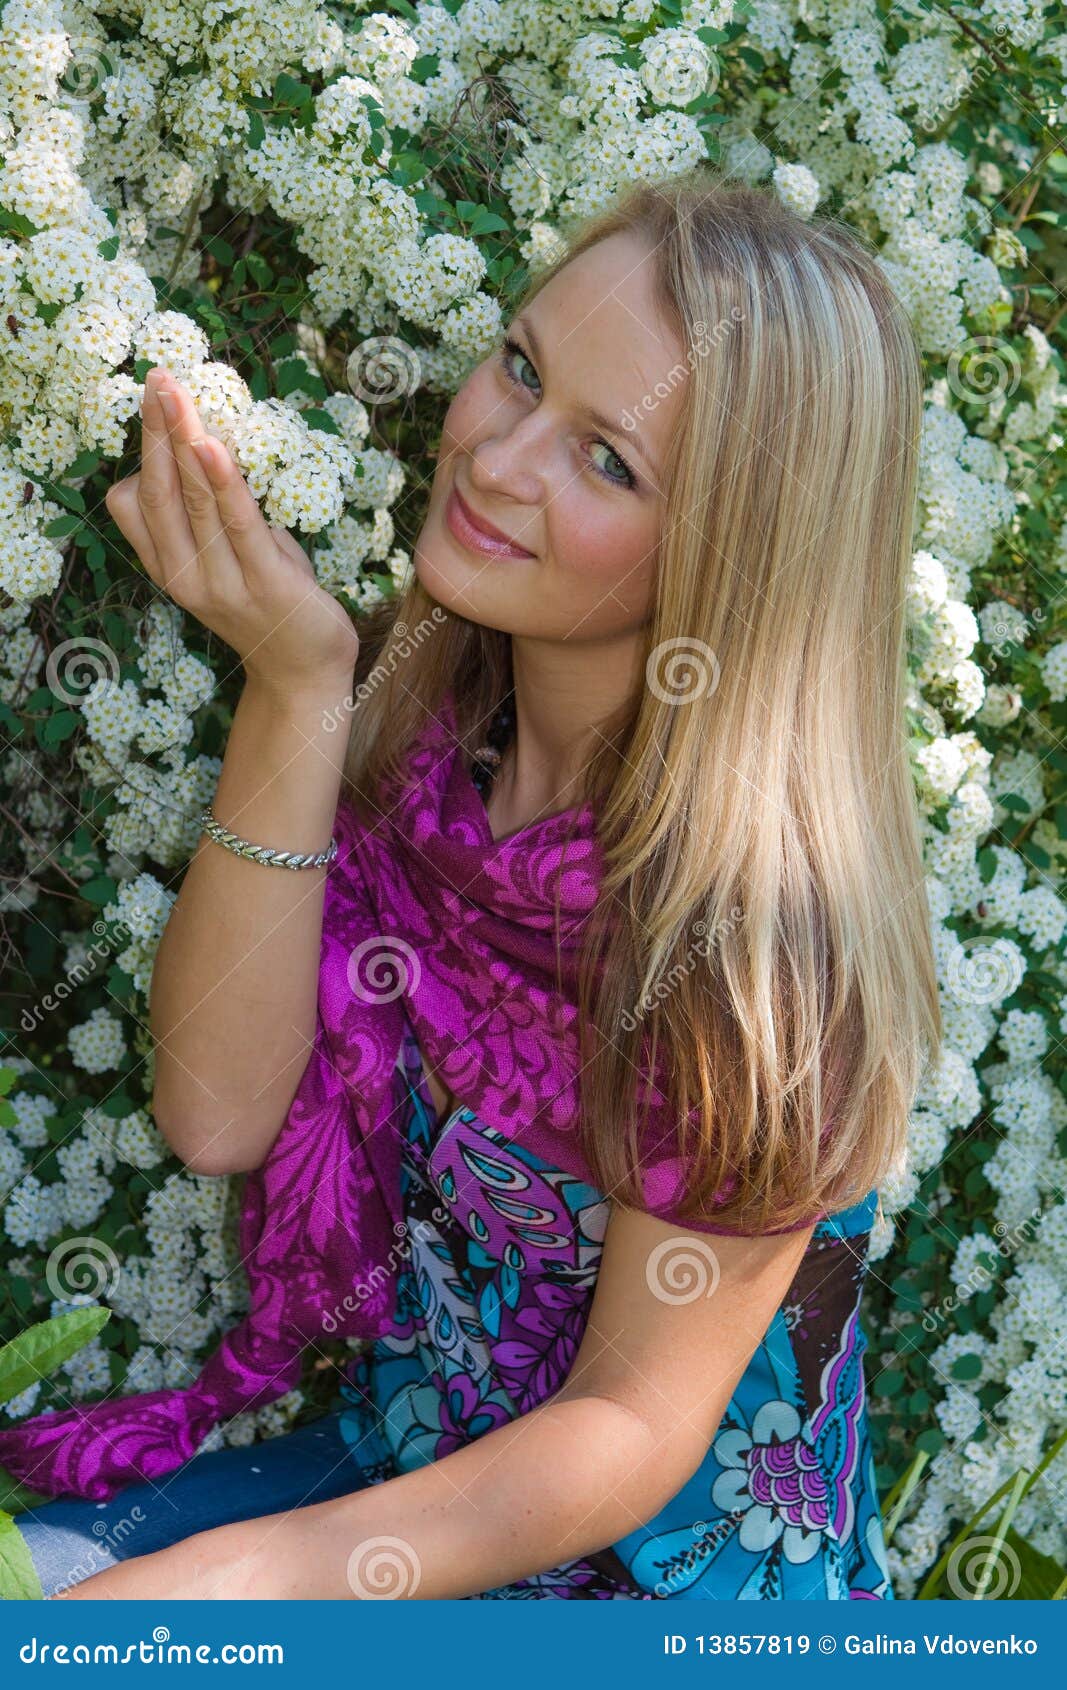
x,y
497,1271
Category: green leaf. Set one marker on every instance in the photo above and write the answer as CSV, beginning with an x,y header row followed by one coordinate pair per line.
x,y
427,204
21,1293
291,376
101,889
320,419
16,223
931,1440
966,1367
84,464
69,496
59,727
257,133
38,1351
922,1248
260,269
16,1497
975,1183
18,1577
282,345
1041,1576
61,526
289,92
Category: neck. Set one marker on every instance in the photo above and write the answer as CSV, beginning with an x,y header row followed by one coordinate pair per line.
x,y
566,698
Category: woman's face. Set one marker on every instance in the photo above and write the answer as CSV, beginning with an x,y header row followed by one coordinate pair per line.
x,y
520,447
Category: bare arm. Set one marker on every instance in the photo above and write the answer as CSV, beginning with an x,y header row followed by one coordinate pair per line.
x,y
232,1001
232,1005
633,1421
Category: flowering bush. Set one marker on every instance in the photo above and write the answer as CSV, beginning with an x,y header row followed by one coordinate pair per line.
x,y
315,216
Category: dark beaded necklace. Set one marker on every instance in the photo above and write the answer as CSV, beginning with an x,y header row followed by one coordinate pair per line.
x,y
486,759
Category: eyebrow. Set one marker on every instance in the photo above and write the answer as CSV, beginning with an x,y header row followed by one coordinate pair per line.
x,y
594,415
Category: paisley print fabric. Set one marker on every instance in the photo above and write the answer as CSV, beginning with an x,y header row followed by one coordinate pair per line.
x,y
500,1257
426,919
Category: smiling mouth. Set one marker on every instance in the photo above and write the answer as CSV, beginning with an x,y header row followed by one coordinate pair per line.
x,y
468,528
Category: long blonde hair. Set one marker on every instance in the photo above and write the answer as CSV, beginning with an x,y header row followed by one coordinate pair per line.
x,y
754,800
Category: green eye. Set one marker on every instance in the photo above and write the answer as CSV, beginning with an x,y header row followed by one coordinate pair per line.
x,y
626,479
510,349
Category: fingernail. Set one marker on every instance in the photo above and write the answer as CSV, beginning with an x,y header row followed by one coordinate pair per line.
x,y
170,409
205,452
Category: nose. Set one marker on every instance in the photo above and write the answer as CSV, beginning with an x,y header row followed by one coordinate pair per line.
x,y
503,465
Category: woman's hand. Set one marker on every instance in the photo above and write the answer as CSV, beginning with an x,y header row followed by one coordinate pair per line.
x,y
190,517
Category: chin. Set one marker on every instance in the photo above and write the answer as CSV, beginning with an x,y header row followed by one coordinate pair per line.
x,y
467,586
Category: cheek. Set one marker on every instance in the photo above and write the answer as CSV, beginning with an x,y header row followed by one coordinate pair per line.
x,y
604,546
464,419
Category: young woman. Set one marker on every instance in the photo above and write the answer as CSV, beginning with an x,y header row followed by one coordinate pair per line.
x,y
662,571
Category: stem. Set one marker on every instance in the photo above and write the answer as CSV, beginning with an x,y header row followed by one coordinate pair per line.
x,y
931,1583
187,232
30,840
926,1594
1017,1493
905,1485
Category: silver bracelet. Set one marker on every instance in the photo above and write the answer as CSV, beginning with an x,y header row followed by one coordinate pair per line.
x,y
265,853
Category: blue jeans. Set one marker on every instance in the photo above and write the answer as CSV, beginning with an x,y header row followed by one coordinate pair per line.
x,y
71,1538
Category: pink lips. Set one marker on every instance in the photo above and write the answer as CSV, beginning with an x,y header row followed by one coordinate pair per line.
x,y
466,527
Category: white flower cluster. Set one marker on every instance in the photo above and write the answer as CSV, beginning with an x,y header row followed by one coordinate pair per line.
x,y
121,126
142,906
98,1044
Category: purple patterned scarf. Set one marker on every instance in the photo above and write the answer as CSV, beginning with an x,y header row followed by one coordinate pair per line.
x,y
425,913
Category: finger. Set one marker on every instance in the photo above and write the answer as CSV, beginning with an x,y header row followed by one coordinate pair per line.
x,y
250,537
215,557
159,488
125,512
